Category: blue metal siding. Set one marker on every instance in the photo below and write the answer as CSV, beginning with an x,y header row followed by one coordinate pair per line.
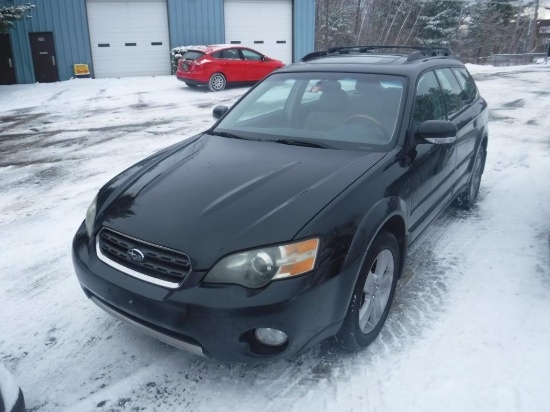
x,y
195,22
202,22
190,22
304,28
67,20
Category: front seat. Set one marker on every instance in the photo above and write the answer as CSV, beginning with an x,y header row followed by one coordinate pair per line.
x,y
331,110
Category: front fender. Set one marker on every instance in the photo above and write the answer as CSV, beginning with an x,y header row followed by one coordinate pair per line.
x,y
372,223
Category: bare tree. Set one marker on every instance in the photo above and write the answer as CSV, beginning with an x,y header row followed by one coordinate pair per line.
x,y
473,28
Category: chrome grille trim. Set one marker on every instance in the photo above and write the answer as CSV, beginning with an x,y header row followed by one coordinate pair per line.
x,y
131,272
162,266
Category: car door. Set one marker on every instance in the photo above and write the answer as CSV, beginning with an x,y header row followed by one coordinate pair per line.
x,y
258,68
432,163
233,65
444,176
466,144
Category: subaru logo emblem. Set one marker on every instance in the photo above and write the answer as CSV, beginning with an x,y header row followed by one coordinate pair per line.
x,y
135,255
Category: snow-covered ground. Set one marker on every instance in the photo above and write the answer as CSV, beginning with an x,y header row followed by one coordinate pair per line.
x,y
469,330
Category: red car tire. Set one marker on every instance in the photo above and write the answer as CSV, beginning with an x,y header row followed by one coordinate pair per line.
x,y
217,82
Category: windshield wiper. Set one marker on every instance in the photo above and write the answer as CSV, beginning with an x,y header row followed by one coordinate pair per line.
x,y
227,134
301,143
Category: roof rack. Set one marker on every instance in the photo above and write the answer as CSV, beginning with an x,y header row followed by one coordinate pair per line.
x,y
418,53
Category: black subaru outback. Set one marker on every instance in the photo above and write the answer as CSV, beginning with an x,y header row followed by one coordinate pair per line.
x,y
288,221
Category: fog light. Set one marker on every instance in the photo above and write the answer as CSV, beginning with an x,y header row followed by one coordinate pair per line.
x,y
271,337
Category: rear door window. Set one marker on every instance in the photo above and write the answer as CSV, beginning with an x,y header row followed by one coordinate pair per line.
x,y
451,90
467,84
231,54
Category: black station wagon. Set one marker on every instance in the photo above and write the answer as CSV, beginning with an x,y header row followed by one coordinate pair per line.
x,y
288,221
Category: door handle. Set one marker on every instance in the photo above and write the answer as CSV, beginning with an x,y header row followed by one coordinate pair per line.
x,y
53,60
475,123
10,63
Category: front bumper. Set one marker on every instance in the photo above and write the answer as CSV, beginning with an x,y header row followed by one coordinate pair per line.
x,y
217,320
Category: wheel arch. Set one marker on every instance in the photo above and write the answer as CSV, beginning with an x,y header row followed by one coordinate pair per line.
x,y
484,144
388,214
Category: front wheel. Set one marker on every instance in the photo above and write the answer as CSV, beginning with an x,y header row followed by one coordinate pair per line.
x,y
217,82
372,295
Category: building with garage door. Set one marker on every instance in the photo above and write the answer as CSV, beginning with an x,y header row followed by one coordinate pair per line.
x,y
119,38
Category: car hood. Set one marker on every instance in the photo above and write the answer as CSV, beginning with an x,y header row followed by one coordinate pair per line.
x,y
217,195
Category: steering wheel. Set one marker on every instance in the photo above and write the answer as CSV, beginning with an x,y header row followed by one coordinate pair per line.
x,y
371,120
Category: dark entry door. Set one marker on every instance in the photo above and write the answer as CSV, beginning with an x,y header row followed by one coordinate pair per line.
x,y
7,71
43,57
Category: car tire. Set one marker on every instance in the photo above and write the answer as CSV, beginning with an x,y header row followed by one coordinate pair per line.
x,y
468,197
372,295
217,82
191,85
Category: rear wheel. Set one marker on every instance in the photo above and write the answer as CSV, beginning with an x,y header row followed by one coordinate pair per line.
x,y
191,85
217,82
469,196
373,294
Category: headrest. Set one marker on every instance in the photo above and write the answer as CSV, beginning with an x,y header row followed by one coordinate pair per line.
x,y
333,99
363,86
331,86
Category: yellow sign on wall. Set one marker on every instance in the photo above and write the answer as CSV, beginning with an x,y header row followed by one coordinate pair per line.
x,y
81,70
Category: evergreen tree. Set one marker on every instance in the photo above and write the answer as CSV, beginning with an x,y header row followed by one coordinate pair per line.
x,y
10,14
438,22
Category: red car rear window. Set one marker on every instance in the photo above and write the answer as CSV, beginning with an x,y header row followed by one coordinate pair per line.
x,y
192,55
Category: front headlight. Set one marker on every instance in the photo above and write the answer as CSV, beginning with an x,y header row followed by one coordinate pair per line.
x,y
257,268
90,216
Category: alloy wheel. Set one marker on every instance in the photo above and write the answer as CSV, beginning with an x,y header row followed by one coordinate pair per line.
x,y
217,82
376,291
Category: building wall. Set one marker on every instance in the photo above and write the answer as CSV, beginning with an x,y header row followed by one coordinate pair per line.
x,y
190,22
68,22
304,28
194,22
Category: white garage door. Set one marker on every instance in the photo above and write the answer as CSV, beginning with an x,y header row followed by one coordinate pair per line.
x,y
129,38
264,25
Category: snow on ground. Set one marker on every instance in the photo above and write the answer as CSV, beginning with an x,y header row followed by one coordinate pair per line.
x,y
469,330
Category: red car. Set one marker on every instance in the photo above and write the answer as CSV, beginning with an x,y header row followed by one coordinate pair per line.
x,y
216,66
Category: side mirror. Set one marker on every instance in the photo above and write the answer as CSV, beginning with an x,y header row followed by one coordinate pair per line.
x,y
219,111
437,131
178,56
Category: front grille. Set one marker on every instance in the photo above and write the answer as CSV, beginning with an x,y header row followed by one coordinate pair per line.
x,y
158,262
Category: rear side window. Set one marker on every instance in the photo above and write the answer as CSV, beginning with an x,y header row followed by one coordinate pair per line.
x,y
192,55
451,90
231,54
467,83
428,103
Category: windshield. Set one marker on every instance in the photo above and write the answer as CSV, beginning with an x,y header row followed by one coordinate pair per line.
x,y
338,110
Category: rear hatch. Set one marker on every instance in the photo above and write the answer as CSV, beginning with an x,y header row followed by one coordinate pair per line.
x,y
187,62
